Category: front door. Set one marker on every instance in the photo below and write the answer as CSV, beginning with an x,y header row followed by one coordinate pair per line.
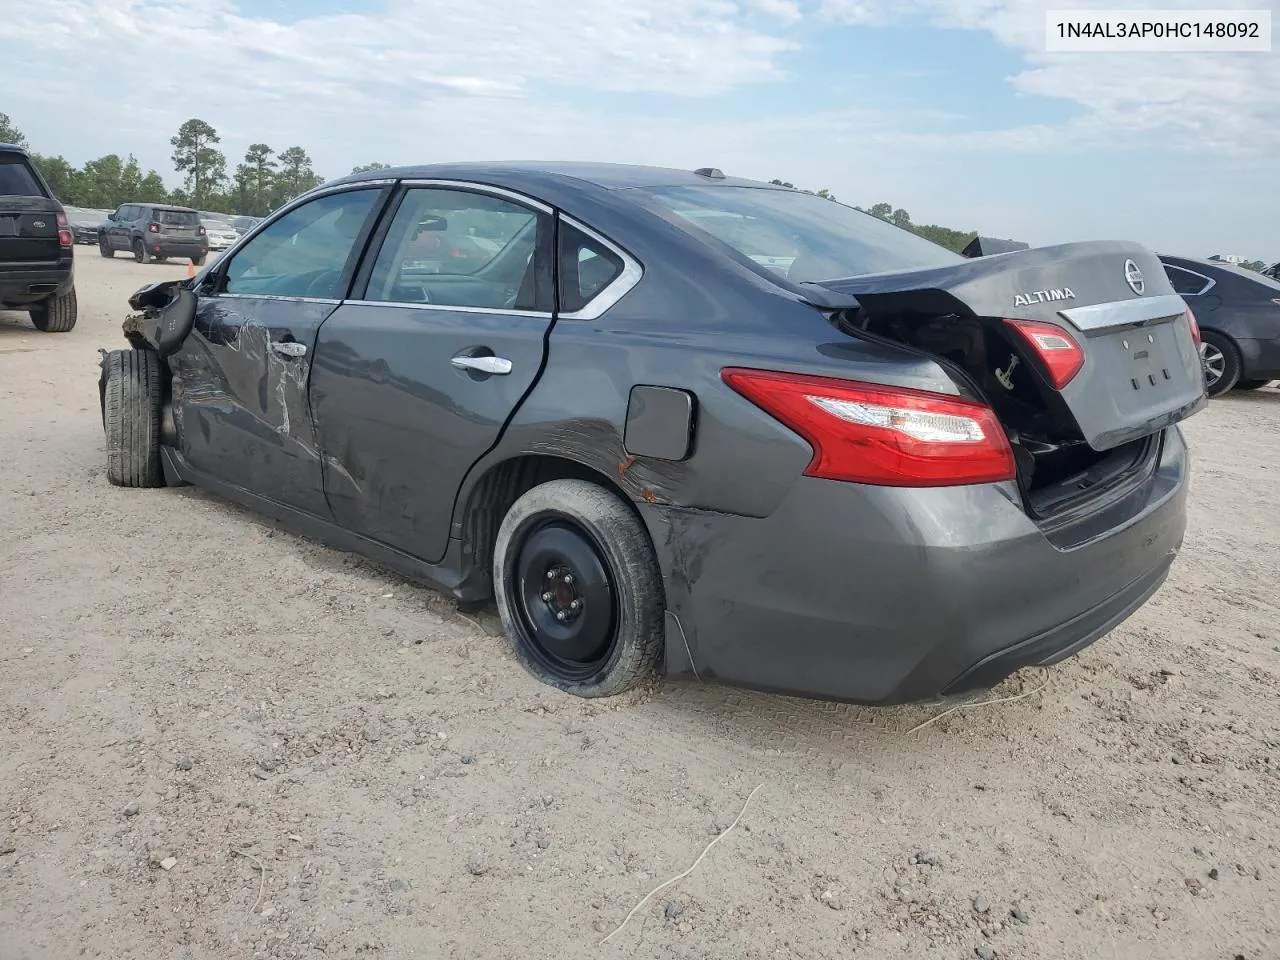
x,y
416,376
240,377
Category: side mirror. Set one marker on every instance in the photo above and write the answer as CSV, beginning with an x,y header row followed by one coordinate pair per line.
x,y
111,216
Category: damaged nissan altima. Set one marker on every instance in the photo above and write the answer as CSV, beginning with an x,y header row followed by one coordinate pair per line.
x,y
676,421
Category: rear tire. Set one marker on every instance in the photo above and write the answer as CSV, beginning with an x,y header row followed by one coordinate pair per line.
x,y
1221,361
131,417
578,589
197,261
1251,384
139,251
57,314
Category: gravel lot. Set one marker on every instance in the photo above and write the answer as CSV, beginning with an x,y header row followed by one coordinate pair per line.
x,y
220,740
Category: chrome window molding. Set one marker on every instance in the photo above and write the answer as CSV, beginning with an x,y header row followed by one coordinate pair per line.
x,y
1119,313
615,289
470,187
1209,282
446,308
273,296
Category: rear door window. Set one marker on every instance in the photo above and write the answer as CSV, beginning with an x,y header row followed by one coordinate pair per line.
x,y
459,248
177,218
17,179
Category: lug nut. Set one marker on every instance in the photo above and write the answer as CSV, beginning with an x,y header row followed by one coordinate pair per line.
x,y
568,578
548,597
577,604
551,574
561,616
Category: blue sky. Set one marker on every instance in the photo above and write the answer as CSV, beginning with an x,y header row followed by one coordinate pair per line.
x,y
949,108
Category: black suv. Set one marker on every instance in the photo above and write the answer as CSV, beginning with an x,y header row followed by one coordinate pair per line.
x,y
154,231
36,267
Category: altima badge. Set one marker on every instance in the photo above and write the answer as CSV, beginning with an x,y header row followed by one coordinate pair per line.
x,y
1137,283
1043,296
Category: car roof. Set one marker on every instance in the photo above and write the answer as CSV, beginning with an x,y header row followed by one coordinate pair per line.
x,y
609,176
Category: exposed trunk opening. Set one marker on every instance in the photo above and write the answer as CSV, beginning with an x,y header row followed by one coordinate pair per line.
x,y
1057,467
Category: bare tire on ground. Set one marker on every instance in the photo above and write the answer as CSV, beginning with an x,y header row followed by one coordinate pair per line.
x,y
1221,361
579,589
131,400
139,251
1251,384
57,314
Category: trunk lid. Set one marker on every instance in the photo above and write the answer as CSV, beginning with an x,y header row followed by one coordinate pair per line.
x,y
28,229
1141,368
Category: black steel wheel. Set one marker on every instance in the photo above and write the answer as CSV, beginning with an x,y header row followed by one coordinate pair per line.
x,y
578,589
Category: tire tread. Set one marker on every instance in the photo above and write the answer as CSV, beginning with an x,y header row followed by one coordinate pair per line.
x,y
132,418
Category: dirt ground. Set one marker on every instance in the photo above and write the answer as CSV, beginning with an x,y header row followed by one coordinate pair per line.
x,y
219,740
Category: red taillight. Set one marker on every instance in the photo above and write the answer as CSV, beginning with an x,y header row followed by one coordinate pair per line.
x,y
1056,348
65,239
890,436
199,231
153,228
1195,327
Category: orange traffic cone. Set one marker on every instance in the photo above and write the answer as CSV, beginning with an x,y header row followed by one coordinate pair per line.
x,y
191,268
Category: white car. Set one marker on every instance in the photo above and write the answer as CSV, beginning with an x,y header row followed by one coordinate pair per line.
x,y
220,233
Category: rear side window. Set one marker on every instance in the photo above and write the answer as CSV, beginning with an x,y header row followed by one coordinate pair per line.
x,y
586,266
1185,282
177,218
17,179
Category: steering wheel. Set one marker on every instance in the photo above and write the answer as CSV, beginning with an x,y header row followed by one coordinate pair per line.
x,y
322,283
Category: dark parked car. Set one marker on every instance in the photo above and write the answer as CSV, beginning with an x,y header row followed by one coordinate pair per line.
x,y
154,231
85,223
847,477
1238,312
37,271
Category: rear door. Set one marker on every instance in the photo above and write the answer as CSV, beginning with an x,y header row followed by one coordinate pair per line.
x,y
28,215
416,376
241,376
177,225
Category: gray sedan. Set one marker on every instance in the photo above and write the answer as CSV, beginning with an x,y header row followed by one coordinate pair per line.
x,y
672,420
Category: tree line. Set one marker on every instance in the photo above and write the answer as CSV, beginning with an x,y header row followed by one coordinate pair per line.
x,y
955,240
261,182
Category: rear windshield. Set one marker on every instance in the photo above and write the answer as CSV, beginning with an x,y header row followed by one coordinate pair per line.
x,y
800,236
17,178
177,218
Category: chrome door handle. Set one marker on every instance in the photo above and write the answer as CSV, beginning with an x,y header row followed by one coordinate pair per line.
x,y
289,348
499,365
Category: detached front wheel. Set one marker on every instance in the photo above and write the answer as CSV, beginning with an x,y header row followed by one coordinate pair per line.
x,y
579,589
132,390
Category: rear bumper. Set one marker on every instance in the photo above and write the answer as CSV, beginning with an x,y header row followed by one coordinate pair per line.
x,y
176,248
880,595
22,284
